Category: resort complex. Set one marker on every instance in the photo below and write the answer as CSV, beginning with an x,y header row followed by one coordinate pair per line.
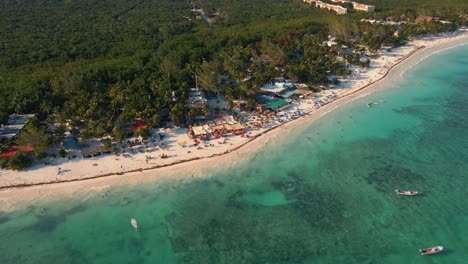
x,y
357,6
208,131
216,104
340,10
14,126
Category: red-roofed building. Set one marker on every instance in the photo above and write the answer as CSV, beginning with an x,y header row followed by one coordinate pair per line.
x,y
14,149
140,125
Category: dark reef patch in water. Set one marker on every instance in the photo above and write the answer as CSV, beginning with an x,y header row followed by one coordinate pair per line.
x,y
235,200
385,178
217,182
48,223
75,256
319,207
235,242
4,219
297,173
228,229
424,112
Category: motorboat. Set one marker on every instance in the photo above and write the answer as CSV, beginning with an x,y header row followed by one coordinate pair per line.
x,y
407,193
374,103
430,251
134,223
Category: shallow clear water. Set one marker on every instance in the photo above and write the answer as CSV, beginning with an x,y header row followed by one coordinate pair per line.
x,y
324,195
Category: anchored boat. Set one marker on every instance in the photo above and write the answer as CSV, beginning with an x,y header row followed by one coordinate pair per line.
x,y
430,251
407,193
134,223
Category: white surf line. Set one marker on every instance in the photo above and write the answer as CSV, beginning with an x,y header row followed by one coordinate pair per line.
x,y
99,188
335,107
352,97
431,54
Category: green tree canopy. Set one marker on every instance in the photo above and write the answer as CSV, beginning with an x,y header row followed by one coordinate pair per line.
x,y
34,136
177,114
19,161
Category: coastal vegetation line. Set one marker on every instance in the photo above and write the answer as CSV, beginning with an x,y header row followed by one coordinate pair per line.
x,y
110,64
15,186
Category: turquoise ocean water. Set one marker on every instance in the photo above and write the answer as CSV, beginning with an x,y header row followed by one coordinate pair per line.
x,y
324,195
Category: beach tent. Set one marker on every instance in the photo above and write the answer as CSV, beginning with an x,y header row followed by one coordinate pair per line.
x,y
198,131
236,127
218,127
207,129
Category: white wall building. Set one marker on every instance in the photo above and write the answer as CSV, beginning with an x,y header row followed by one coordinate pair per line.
x,y
338,9
357,6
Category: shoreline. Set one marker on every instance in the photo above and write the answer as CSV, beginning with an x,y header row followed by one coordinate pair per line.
x,y
26,185
10,194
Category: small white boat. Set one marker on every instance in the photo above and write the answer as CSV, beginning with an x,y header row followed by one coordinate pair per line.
x,y
430,251
407,193
134,223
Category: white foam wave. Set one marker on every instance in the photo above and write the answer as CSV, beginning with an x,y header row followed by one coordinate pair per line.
x,y
429,55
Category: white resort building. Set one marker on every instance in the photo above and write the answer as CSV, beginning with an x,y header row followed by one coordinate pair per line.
x,y
14,126
338,9
357,6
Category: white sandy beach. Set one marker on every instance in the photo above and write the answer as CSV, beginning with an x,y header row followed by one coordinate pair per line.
x,y
83,177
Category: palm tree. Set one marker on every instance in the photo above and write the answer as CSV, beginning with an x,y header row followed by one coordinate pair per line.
x,y
154,121
177,113
250,103
229,105
60,130
107,142
206,110
119,135
35,137
192,113
208,75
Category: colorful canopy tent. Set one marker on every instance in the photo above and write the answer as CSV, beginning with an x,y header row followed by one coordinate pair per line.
x,y
198,131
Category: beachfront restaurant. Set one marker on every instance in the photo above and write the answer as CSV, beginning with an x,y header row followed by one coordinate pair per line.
x,y
217,128
273,103
277,104
278,86
14,126
237,128
196,98
10,131
92,151
199,132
